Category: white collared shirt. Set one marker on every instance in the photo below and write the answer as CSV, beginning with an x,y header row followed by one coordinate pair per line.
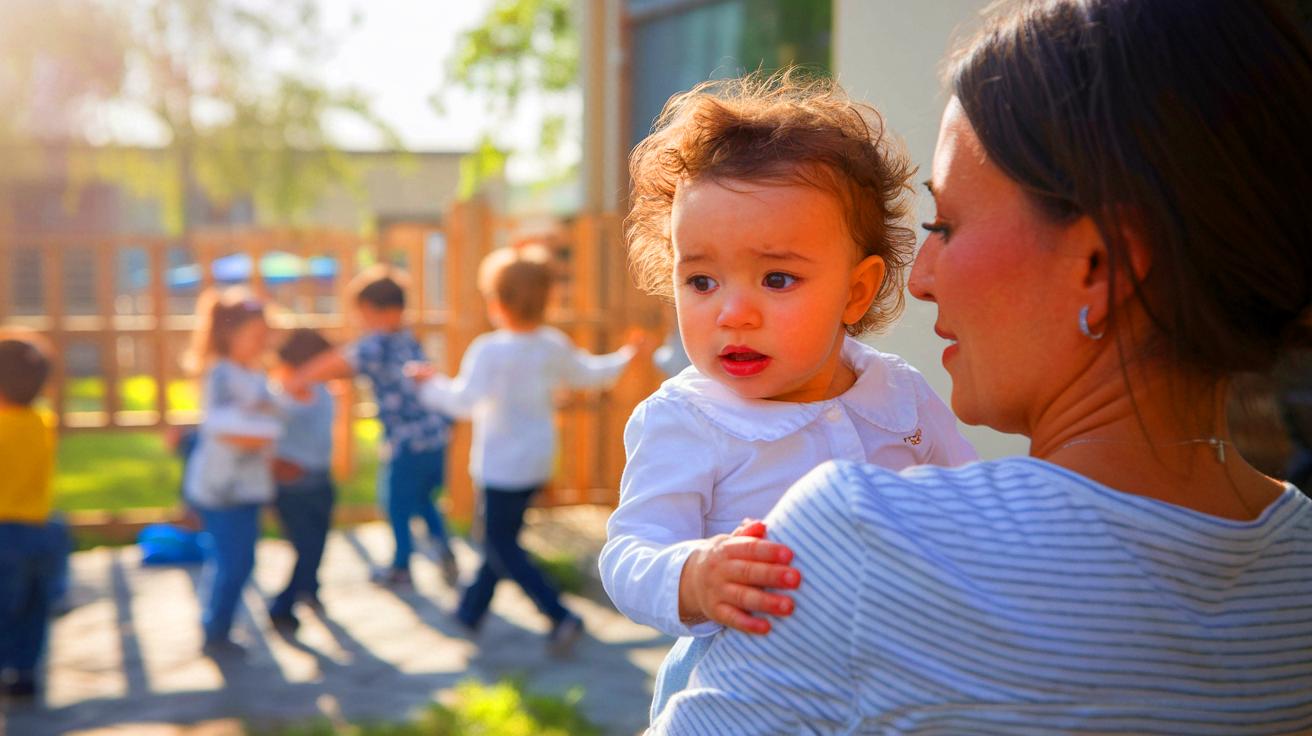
x,y
701,459
505,385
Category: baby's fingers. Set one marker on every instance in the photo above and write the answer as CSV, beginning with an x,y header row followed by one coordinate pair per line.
x,y
747,598
762,575
731,617
752,548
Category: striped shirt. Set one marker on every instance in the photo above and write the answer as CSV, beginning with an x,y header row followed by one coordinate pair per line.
x,y
1017,597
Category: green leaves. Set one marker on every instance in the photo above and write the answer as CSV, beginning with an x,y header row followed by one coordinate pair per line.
x,y
522,47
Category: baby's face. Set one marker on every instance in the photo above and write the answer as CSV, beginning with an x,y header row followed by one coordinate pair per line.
x,y
762,284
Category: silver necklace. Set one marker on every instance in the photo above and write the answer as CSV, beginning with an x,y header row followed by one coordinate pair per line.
x,y
1216,443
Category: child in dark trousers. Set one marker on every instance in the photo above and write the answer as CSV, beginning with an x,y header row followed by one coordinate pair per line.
x,y
301,469
30,549
506,382
415,462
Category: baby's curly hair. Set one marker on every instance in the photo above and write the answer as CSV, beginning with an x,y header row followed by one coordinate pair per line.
x,y
784,128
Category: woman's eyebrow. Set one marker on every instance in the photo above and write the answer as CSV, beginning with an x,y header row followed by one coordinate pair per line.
x,y
929,186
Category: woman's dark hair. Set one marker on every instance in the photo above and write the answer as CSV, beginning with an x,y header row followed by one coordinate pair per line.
x,y
1184,123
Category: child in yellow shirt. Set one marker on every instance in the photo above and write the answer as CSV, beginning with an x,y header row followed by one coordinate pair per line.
x,y
29,549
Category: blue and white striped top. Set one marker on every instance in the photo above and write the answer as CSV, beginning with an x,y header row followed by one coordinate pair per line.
x,y
1017,597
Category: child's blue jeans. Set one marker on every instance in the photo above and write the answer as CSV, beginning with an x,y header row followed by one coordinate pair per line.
x,y
503,517
409,482
29,563
305,508
235,530
676,670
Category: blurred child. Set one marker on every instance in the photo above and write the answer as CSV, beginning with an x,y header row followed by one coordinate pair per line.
x,y
414,465
30,549
772,211
301,469
228,476
507,378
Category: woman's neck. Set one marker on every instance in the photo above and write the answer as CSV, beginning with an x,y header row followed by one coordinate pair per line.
x,y
1166,438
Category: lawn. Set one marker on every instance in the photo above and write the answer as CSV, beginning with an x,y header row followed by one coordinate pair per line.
x,y
130,469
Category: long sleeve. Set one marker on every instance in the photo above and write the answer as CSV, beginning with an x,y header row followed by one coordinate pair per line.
x,y
580,369
796,679
664,494
233,405
457,396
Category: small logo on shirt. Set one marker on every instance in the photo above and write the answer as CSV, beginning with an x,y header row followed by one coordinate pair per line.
x,y
913,439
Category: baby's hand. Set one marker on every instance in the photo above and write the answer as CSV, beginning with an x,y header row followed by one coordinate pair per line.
x,y
724,581
419,371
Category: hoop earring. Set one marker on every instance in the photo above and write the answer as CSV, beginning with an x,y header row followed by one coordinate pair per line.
x,y
1084,324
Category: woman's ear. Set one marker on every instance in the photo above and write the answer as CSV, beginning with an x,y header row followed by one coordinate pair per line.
x,y
867,277
1094,266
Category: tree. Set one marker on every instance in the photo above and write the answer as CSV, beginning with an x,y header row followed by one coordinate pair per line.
x,y
521,47
228,83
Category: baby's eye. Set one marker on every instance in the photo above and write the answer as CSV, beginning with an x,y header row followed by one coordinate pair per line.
x,y
702,284
777,280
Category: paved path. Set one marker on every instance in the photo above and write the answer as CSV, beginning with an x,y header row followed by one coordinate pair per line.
x,y
126,660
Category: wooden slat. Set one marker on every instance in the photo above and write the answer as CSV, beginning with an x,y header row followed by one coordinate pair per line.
x,y
107,340
158,251
52,268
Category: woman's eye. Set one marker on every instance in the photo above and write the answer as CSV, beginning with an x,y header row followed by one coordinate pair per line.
x,y
702,284
937,227
776,280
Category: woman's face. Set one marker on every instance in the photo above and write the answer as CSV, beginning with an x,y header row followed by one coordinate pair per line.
x,y
995,268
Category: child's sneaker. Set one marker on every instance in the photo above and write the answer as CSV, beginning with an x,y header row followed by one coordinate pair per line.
x,y
285,623
564,635
393,577
18,687
223,649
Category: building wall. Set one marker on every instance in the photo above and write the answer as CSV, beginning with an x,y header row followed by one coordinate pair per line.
x,y
889,53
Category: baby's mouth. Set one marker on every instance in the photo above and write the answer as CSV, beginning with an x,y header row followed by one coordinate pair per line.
x,y
741,361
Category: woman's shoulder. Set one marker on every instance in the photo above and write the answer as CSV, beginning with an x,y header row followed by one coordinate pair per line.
x,y
930,497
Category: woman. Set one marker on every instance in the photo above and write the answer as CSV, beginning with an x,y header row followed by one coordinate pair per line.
x,y
1123,191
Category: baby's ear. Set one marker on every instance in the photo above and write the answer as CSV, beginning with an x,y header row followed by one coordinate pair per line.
x,y
867,277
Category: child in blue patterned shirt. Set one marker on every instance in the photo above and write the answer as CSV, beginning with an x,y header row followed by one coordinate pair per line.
x,y
416,437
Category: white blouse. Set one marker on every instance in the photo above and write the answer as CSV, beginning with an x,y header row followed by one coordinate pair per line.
x,y
506,384
701,459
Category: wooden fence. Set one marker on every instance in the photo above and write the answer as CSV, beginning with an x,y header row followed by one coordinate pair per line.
x,y
76,290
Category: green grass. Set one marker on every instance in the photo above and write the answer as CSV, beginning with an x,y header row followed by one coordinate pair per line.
x,y
114,470
503,709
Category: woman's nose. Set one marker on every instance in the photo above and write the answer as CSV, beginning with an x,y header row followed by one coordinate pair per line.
x,y
921,281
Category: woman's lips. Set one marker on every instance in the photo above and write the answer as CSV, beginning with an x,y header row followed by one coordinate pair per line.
x,y
742,362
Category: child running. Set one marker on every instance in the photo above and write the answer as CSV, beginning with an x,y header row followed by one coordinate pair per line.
x,y
771,210
506,382
414,467
228,476
301,468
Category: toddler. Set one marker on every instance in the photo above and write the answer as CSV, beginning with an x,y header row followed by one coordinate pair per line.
x,y
414,465
228,476
506,382
30,549
771,211
301,470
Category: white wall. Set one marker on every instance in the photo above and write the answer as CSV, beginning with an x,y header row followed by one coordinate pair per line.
x,y
890,53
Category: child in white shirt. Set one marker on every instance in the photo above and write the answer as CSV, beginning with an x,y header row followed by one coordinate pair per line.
x,y
772,212
506,384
